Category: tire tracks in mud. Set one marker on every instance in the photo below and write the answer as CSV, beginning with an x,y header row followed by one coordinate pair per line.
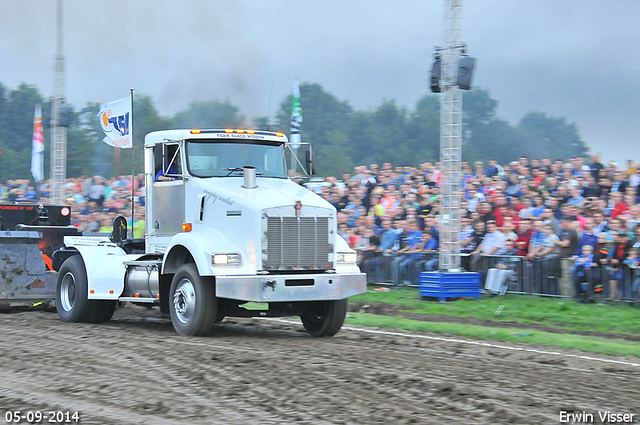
x,y
135,369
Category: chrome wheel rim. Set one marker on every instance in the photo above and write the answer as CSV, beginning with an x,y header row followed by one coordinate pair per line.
x,y
184,301
68,291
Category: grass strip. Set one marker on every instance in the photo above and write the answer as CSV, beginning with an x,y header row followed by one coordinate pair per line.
x,y
561,313
615,347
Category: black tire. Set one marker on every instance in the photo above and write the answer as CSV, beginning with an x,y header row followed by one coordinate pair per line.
x,y
192,302
101,311
324,318
71,291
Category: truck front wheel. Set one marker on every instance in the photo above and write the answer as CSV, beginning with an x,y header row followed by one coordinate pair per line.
x,y
71,291
192,302
324,318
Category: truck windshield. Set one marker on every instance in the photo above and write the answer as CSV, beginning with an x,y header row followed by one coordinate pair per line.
x,y
215,159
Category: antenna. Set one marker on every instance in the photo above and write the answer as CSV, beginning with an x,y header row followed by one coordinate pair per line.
x,y
269,108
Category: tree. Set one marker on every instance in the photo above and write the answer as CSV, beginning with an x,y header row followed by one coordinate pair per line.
x,y
362,132
548,136
210,114
478,107
321,111
423,130
479,140
86,153
18,116
333,157
496,139
16,123
3,109
341,136
146,119
326,124
261,123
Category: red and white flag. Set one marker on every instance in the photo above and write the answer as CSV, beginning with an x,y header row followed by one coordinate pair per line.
x,y
37,154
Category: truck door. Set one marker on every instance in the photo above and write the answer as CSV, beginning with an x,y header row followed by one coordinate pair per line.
x,y
168,190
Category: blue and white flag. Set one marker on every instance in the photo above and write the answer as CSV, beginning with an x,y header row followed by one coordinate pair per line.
x,y
115,120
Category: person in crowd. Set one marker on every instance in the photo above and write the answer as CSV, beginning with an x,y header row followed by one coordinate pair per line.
x,y
467,242
369,253
633,263
588,236
493,243
97,191
621,246
602,261
551,246
389,246
524,238
410,237
595,166
581,272
428,258
569,239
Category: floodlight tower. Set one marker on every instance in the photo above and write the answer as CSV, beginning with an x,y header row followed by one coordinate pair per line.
x,y
450,138
58,127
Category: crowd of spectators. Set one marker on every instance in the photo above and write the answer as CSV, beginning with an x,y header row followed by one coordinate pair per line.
x,y
95,202
538,209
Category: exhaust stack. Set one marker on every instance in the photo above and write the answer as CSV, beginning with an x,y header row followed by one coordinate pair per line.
x,y
249,172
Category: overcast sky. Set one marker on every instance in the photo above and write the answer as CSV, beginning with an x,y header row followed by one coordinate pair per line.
x,y
578,59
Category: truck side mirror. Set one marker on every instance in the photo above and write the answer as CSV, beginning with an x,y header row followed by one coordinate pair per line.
x,y
309,162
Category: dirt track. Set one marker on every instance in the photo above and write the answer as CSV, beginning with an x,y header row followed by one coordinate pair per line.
x,y
136,370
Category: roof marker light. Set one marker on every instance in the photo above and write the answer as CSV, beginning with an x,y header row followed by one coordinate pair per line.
x,y
228,131
280,134
195,131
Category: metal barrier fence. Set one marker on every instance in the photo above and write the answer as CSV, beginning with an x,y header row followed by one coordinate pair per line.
x,y
552,277
627,281
538,277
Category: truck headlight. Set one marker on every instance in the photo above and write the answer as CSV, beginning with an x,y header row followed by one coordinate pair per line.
x,y
347,257
225,259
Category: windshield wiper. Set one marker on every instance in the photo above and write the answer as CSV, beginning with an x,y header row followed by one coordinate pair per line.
x,y
237,169
232,170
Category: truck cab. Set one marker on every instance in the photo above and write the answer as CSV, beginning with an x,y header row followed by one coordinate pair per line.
x,y
225,225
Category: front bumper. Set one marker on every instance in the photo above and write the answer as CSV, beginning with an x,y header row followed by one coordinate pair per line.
x,y
287,288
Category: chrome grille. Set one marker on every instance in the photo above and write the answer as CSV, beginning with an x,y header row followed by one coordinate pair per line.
x,y
297,242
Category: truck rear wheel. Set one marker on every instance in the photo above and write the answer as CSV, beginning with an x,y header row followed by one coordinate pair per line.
x,y
71,291
324,318
192,302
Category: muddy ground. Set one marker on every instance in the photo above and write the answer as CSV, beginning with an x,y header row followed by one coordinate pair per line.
x,y
137,370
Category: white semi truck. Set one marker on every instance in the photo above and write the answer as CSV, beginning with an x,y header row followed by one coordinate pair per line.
x,y
225,226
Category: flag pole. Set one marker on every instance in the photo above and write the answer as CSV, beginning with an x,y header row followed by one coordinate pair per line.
x,y
133,149
116,161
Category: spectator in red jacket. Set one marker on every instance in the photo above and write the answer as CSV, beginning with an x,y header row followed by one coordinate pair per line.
x,y
619,207
524,237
